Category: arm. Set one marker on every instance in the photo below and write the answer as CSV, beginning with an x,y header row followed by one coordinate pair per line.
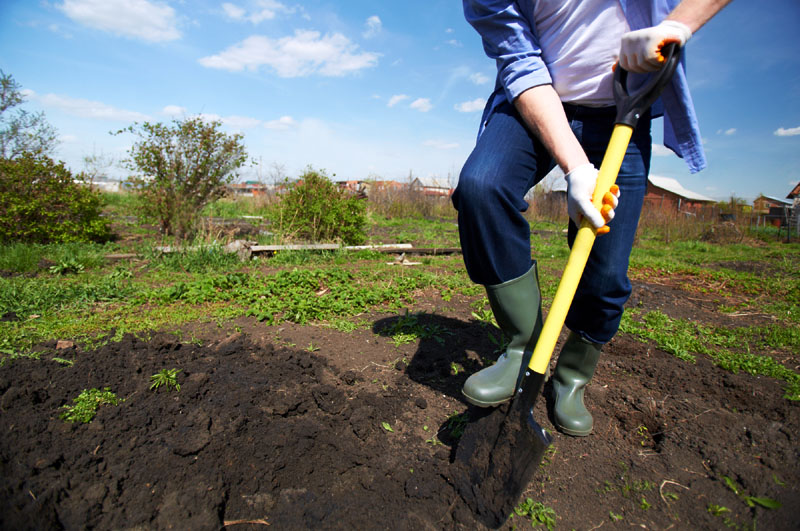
x,y
695,13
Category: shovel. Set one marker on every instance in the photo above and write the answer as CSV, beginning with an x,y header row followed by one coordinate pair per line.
x,y
498,453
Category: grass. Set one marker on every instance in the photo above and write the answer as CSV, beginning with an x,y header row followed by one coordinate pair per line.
x,y
70,292
729,348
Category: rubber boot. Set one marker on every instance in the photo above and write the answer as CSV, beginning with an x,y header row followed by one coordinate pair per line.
x,y
517,308
575,367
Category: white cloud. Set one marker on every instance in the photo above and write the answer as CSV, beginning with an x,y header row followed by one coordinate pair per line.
x,y
90,109
263,10
440,144
282,123
373,27
727,132
397,98
479,79
235,122
471,106
174,110
660,150
792,131
138,19
303,54
455,43
422,104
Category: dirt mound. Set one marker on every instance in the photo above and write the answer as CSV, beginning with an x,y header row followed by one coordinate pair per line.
x,y
308,439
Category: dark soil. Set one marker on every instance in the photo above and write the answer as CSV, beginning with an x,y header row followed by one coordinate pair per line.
x,y
307,427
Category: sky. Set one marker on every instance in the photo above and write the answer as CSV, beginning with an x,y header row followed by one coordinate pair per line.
x,y
366,89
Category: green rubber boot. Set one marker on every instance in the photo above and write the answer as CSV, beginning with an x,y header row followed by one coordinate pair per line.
x,y
575,367
517,308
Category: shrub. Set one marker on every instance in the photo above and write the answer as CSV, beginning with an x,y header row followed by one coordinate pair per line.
x,y
41,203
181,169
315,209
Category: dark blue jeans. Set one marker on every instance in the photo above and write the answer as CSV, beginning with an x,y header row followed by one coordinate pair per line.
x,y
495,237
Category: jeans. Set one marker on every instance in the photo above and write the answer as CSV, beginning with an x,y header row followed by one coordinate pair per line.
x,y
495,237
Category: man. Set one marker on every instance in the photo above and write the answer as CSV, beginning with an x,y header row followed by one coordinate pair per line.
x,y
553,105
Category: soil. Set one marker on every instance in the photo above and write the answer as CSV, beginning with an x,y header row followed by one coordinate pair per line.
x,y
299,427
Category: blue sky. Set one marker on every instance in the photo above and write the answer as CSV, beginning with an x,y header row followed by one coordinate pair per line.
x,y
367,88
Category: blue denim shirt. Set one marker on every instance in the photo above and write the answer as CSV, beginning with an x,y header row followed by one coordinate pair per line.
x,y
509,37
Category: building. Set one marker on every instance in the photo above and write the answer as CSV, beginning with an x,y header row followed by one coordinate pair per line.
x,y
431,186
668,194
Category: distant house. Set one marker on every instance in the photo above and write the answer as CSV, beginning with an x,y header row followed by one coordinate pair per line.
x,y
667,193
431,186
794,195
247,188
366,188
764,203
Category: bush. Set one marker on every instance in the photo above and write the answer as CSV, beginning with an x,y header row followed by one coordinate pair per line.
x,y
315,209
41,203
181,168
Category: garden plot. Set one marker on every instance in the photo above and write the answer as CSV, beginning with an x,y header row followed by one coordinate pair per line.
x,y
303,426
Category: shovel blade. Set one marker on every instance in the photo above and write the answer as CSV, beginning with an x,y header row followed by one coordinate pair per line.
x,y
499,453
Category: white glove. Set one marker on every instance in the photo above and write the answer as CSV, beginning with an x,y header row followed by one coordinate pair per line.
x,y
641,49
581,182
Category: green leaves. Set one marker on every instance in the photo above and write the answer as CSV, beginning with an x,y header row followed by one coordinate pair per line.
x,y
315,209
181,168
167,378
87,403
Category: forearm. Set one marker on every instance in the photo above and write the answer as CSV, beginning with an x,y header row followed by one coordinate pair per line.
x,y
695,13
543,114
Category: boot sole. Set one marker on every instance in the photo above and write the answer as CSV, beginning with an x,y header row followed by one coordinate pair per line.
x,y
480,403
574,433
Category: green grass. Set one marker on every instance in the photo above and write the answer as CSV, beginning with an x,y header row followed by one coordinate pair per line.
x,y
729,348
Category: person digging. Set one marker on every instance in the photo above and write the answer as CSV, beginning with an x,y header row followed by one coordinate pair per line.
x,y
553,105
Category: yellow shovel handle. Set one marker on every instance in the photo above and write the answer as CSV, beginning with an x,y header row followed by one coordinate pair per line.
x,y
579,255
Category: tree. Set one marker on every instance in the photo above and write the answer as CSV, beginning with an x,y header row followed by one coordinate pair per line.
x,y
181,168
22,131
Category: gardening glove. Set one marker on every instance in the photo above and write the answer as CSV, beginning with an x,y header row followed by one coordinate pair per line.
x,y
640,51
581,182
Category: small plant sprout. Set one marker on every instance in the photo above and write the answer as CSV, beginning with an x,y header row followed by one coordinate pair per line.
x,y
166,377
312,347
87,403
614,516
386,426
539,513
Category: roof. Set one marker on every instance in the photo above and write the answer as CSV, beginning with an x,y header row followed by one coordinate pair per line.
x,y
795,192
672,185
431,182
777,200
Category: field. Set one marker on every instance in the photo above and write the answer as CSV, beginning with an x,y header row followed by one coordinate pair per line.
x,y
322,389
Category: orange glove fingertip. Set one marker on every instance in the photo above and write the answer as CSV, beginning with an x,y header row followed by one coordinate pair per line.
x,y
605,229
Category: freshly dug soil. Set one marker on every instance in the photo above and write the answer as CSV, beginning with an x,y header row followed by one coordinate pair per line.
x,y
299,427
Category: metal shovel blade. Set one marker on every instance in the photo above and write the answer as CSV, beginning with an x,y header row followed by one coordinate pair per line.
x,y
499,453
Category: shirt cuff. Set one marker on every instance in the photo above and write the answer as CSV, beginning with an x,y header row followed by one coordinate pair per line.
x,y
524,74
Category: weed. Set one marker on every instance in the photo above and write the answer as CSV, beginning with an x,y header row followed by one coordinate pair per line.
x,y
614,516
62,361
717,510
65,267
644,504
87,403
408,329
312,347
538,513
167,378
750,501
386,426
457,423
